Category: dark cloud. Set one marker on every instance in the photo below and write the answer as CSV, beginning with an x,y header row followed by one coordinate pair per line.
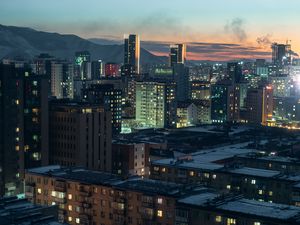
x,y
264,41
236,28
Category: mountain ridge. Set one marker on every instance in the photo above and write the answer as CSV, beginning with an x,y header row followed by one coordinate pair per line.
x,y
25,42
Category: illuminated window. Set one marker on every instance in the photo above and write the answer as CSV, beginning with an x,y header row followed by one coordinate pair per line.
x,y
270,193
218,219
17,129
260,192
228,187
70,219
159,200
70,207
163,169
231,221
39,190
69,196
192,173
206,175
17,102
53,193
159,213
256,223
77,220
214,176
17,147
253,181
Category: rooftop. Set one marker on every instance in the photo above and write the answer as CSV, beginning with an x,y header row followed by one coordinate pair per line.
x,y
77,174
206,159
255,172
21,212
237,204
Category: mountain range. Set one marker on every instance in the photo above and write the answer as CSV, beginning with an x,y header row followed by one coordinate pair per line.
x,y
26,43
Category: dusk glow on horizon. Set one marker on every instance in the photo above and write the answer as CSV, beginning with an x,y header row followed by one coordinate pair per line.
x,y
169,21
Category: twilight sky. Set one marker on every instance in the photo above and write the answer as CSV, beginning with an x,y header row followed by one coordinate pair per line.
x,y
220,22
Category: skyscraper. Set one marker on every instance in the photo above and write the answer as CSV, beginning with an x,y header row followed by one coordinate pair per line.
x,y
281,54
225,100
177,54
181,78
23,124
234,72
259,104
155,104
110,98
132,52
83,65
62,74
80,135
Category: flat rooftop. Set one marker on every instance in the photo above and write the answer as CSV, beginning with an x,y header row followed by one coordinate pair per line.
x,y
207,159
255,172
235,204
77,174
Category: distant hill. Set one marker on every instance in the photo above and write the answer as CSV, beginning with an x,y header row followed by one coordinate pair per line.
x,y
27,43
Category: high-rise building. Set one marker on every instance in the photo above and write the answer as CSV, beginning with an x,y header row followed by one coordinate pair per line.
x,y
97,69
225,101
181,78
156,103
259,105
112,70
62,74
23,124
177,54
281,54
80,135
234,72
110,98
200,90
132,52
83,65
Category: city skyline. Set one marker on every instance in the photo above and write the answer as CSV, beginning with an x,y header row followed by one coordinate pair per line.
x,y
239,31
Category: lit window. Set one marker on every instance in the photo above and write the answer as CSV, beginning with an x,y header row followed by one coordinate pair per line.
x,y
270,193
17,147
260,192
77,220
214,176
159,213
69,196
70,219
218,219
39,190
70,207
253,181
256,223
163,169
192,173
159,200
231,221
228,187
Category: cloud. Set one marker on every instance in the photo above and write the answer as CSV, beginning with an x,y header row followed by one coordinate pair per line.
x,y
236,28
264,41
211,51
